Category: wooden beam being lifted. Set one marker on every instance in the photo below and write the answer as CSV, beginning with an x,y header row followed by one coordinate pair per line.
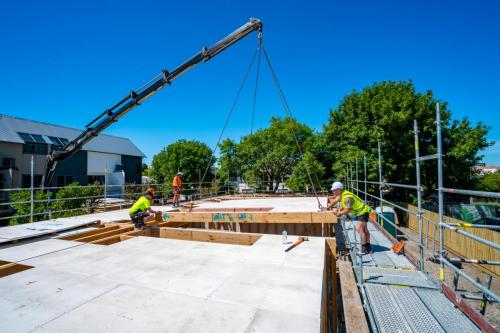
x,y
248,217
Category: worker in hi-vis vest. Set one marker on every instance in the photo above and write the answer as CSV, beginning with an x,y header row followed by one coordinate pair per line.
x,y
351,204
176,188
141,209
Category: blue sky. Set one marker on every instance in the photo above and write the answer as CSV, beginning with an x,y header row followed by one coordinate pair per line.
x,y
65,61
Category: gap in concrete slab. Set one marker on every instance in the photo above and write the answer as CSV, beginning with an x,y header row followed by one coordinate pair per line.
x,y
8,268
117,233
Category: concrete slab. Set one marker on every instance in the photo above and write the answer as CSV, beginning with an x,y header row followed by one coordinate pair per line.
x,y
36,296
158,285
24,251
133,309
282,322
36,229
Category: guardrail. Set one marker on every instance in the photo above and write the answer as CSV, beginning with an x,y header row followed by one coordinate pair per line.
x,y
439,254
106,196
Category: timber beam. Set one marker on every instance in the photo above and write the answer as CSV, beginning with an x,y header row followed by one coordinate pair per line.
x,y
248,217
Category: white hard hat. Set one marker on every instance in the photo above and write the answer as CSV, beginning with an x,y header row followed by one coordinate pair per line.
x,y
337,186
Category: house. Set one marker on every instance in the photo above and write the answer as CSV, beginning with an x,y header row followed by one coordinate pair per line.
x,y
114,159
486,169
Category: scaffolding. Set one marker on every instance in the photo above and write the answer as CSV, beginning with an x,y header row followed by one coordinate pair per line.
x,y
438,255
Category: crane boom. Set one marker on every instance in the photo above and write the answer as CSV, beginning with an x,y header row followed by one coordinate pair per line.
x,y
111,115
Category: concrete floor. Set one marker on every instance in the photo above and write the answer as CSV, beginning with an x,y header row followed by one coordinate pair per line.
x,y
281,204
163,285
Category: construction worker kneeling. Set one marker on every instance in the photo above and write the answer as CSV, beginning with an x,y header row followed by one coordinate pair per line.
x,y
141,211
354,206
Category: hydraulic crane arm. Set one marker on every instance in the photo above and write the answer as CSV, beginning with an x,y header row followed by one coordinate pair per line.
x,y
111,115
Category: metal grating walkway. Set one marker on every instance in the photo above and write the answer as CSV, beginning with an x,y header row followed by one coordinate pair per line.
x,y
400,277
401,298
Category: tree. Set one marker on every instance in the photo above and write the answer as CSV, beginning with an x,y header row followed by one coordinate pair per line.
x,y
309,166
22,206
75,200
145,169
190,157
269,155
489,182
385,112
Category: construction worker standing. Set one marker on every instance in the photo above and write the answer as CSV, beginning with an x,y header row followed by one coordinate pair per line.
x,y
176,188
141,211
352,205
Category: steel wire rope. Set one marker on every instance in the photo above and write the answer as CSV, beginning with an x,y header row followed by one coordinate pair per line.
x,y
288,113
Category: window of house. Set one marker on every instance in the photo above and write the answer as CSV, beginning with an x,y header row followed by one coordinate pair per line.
x,y
26,181
35,148
93,179
64,180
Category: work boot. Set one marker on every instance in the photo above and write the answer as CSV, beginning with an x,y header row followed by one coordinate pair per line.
x,y
366,249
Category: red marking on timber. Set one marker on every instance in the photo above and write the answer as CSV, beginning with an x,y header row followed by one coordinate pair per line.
x,y
472,314
234,210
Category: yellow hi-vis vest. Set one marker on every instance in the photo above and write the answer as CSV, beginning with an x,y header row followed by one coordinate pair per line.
x,y
358,208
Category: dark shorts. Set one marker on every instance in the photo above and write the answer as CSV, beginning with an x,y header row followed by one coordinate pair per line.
x,y
176,190
363,218
139,213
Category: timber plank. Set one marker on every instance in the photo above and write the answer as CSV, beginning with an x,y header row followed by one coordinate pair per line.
x,y
354,315
250,217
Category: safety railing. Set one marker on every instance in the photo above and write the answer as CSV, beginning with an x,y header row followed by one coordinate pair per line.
x,y
439,255
39,203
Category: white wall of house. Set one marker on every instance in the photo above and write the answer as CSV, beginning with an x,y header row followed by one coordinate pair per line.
x,y
98,162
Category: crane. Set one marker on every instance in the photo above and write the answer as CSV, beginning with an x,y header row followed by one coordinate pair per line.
x,y
134,98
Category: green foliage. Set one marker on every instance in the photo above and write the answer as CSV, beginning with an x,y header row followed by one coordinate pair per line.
x,y
75,200
489,183
268,155
22,206
190,157
145,169
385,112
299,180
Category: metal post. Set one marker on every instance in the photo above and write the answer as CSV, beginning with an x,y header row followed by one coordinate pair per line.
x,y
351,178
380,182
484,302
357,183
364,161
440,192
32,189
105,184
346,177
419,197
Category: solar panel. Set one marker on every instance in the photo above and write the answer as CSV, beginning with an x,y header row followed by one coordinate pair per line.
x,y
38,138
55,140
26,137
64,141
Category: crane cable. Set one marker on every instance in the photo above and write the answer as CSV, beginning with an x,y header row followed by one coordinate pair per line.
x,y
231,110
288,113
256,84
